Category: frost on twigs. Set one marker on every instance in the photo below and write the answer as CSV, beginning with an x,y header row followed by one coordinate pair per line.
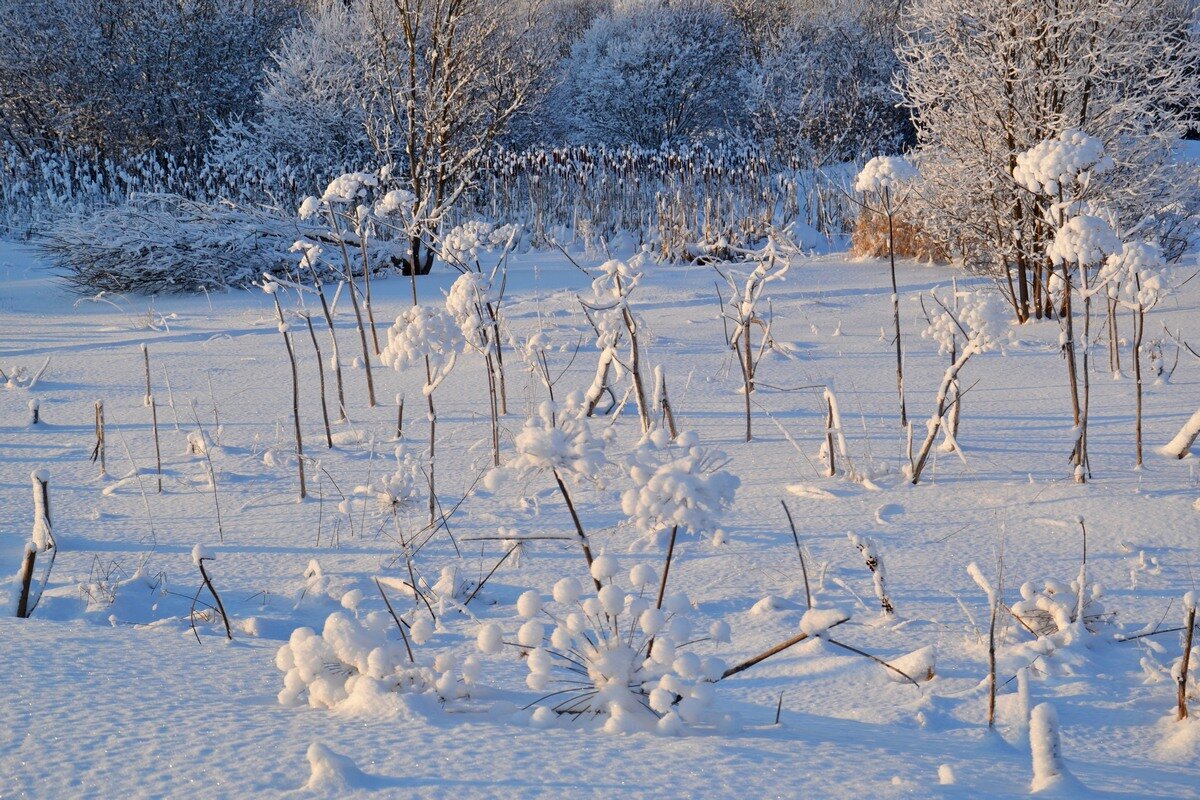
x,y
677,483
612,656
357,666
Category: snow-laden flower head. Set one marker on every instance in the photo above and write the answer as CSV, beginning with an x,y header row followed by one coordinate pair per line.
x,y
349,187
677,483
1054,164
1139,269
401,487
885,174
470,293
396,203
617,279
559,439
463,244
310,207
1084,240
981,319
631,658
309,253
423,332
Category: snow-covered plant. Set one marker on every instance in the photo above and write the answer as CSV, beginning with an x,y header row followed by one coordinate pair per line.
x,y
419,333
396,490
615,654
889,176
1051,610
866,547
1083,241
615,322
474,303
557,440
1186,682
463,245
677,484
428,336
746,292
353,665
1139,269
885,183
1062,165
981,322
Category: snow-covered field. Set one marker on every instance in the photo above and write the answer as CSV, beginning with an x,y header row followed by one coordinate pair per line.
x,y
105,691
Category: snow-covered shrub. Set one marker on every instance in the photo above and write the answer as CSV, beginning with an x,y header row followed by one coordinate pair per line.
x,y
633,660
677,484
166,243
353,665
976,81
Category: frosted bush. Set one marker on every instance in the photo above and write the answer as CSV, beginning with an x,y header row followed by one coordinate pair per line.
x,y
1083,240
633,660
422,332
352,663
1053,165
677,483
884,174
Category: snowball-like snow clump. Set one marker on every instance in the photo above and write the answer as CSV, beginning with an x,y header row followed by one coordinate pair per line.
x,y
884,173
1052,165
677,483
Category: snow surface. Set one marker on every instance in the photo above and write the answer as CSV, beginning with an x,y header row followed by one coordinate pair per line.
x,y
106,691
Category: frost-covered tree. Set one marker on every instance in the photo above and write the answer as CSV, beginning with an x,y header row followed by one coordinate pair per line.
x,y
649,74
988,79
819,87
313,99
130,74
452,74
